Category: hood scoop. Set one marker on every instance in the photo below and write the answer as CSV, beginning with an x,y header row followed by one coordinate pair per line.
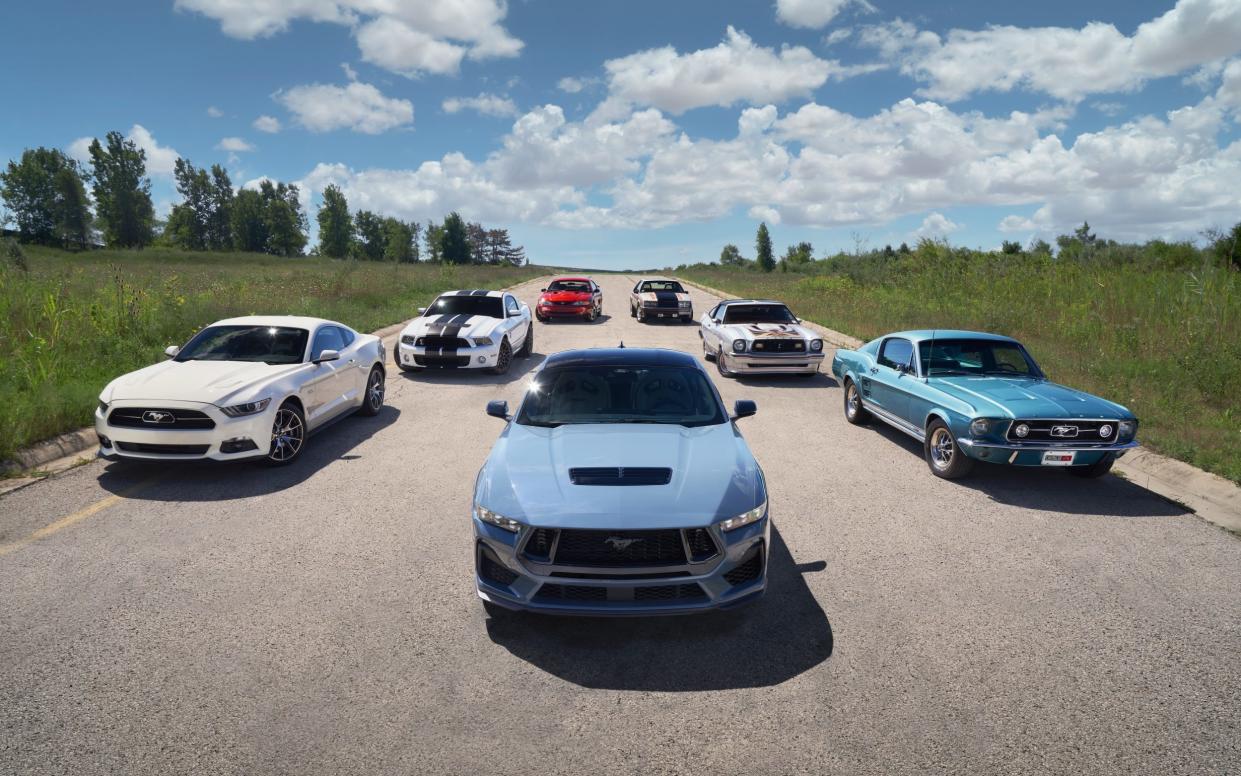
x,y
620,475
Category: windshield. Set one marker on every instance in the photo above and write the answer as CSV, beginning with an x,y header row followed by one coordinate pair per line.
x,y
621,394
569,285
490,306
757,313
975,357
662,285
270,344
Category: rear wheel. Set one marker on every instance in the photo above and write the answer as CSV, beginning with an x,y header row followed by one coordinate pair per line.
x,y
504,359
943,454
373,401
855,413
1097,469
288,435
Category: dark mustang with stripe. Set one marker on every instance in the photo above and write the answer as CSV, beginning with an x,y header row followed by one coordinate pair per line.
x,y
660,298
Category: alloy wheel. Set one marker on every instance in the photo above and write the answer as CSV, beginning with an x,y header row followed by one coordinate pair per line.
x,y
942,448
375,390
288,432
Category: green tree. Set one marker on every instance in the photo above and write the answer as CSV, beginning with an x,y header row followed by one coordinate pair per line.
x,y
370,236
1010,247
47,198
454,242
188,222
219,234
400,241
431,236
248,222
335,225
904,249
731,256
1039,246
122,192
286,224
762,248
797,256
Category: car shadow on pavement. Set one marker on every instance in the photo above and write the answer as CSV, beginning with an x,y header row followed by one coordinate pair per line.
x,y
1050,488
521,366
780,636
200,481
820,380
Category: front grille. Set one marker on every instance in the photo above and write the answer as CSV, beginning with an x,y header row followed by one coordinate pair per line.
x,y
779,346
686,592
619,548
701,545
159,418
626,475
442,362
489,568
1078,431
440,342
551,592
749,570
139,447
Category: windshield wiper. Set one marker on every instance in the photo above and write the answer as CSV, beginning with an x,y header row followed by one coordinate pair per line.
x,y
942,372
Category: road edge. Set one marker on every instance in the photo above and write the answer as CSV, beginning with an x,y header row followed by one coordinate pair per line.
x,y
1211,497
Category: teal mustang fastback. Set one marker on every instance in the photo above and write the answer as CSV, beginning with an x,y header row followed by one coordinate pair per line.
x,y
969,396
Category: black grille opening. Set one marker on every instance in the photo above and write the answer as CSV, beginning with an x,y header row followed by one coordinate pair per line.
x,y
539,545
550,592
442,362
620,475
631,577
441,342
489,568
749,570
779,346
685,592
619,548
139,447
701,545
159,418
1067,431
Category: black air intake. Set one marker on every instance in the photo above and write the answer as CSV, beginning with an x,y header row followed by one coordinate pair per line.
x,y
620,475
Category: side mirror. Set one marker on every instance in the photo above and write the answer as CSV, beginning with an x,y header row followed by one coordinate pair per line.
x,y
422,311
171,351
328,355
542,290
744,408
498,409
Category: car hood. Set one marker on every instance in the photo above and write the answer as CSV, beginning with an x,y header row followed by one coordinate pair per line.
x,y
1023,397
452,326
714,476
210,382
566,296
664,297
755,331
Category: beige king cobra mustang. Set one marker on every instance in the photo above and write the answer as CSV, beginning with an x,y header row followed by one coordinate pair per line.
x,y
660,298
759,336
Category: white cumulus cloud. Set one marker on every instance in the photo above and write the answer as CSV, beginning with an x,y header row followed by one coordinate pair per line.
x,y
214,112
486,104
356,106
234,144
936,225
269,124
814,14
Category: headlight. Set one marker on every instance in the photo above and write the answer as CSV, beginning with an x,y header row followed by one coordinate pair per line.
x,y
816,346
980,426
739,346
1105,430
482,340
1022,430
249,408
745,518
500,521
103,408
684,305
408,339
1128,428
583,303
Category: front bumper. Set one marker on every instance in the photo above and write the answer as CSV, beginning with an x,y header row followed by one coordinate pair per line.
x,y
474,357
773,363
174,444
564,311
645,591
1031,453
667,312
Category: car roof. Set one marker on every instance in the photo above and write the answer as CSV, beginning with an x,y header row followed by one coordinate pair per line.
x,y
659,280
570,277
473,292
752,301
293,321
919,335
620,357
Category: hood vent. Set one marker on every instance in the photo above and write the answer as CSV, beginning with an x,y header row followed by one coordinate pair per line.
x,y
623,475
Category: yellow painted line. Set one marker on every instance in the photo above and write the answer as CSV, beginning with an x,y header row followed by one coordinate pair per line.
x,y
73,519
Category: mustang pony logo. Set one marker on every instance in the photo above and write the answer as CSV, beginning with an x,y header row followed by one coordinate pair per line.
x,y
155,416
1064,431
619,544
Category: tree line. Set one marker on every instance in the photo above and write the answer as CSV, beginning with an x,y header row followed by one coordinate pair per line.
x,y
45,192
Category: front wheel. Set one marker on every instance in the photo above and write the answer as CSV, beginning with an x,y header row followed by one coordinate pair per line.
x,y
855,413
943,454
504,359
633,311
1096,469
527,347
720,365
373,400
288,435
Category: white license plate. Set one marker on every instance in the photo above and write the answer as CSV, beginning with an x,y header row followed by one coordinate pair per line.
x,y
1057,458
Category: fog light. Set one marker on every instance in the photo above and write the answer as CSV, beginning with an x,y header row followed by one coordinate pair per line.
x,y
1022,430
482,359
238,445
104,441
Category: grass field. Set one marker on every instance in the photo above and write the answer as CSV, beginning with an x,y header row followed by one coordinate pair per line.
x,y
72,322
1162,337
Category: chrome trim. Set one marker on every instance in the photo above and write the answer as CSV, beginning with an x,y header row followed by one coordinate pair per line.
x,y
1038,446
893,421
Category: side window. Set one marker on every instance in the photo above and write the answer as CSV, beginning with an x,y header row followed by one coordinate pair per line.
x,y
510,305
637,288
715,312
896,353
346,336
327,338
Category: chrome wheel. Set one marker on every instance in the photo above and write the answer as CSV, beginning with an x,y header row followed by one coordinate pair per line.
x,y
942,448
288,432
375,390
853,402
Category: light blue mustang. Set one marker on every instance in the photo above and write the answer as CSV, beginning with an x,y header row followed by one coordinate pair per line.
x,y
969,396
621,487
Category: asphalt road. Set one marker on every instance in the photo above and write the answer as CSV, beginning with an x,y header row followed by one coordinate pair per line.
x,y
321,619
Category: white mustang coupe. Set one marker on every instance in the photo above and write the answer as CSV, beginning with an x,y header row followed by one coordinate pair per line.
x,y
251,387
467,330
759,337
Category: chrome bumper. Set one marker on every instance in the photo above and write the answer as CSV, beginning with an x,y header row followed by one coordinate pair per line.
x,y
786,363
1043,446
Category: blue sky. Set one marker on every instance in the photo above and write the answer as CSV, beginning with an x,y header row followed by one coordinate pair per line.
x,y
643,133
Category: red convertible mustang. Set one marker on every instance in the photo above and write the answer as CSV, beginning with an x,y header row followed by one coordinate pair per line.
x,y
570,298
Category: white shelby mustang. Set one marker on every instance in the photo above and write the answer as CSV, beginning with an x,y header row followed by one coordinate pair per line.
x,y
759,336
467,330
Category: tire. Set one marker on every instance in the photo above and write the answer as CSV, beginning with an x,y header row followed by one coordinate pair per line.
x,y
942,453
687,319
720,366
633,313
706,351
373,398
1094,470
641,316
288,437
858,415
527,347
505,359
541,319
